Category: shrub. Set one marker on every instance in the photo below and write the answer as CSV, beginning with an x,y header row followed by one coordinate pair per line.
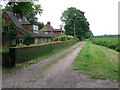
x,y
22,54
55,39
64,38
29,39
112,43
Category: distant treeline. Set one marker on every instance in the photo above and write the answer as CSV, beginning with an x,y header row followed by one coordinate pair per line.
x,y
106,36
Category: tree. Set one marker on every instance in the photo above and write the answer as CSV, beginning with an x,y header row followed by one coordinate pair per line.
x,y
33,20
29,39
74,18
28,10
22,9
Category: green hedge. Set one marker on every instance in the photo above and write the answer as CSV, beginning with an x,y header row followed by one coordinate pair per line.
x,y
22,54
113,43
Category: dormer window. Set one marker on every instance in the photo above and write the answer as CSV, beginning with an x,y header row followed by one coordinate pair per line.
x,y
20,20
46,32
35,28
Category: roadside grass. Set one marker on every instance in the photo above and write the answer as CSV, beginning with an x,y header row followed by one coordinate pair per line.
x,y
4,49
98,62
34,61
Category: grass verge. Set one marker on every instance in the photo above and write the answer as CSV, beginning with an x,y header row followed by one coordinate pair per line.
x,y
98,62
28,63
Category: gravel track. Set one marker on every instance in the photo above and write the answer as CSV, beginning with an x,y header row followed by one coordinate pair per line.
x,y
59,75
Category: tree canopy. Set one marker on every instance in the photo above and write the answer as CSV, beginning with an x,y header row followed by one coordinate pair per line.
x,y
75,19
25,9
22,9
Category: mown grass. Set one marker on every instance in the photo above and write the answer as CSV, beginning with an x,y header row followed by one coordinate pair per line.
x,y
98,62
34,61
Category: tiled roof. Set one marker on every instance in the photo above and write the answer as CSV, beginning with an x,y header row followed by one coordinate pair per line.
x,y
49,28
58,30
18,23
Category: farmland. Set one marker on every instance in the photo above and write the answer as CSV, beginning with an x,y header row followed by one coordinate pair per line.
x,y
112,43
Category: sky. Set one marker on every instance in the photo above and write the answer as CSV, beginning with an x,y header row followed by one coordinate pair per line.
x,y
101,14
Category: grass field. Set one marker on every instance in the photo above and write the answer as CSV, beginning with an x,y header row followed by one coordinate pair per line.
x,y
98,62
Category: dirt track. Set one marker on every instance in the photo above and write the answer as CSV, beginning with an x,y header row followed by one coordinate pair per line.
x,y
59,75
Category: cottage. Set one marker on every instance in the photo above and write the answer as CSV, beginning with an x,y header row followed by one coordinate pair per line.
x,y
48,29
23,27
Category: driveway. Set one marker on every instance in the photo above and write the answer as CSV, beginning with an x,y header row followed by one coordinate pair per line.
x,y
55,75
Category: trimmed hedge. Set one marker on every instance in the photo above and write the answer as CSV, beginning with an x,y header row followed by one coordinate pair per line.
x,y
22,54
6,60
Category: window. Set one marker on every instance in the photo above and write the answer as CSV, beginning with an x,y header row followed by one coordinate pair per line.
x,y
35,29
14,41
17,41
46,32
36,41
20,41
42,40
5,29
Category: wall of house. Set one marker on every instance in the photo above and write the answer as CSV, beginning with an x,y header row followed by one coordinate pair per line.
x,y
28,27
57,33
43,40
6,42
19,34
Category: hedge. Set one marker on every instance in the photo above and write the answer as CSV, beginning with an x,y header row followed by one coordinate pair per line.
x,y
22,54
113,43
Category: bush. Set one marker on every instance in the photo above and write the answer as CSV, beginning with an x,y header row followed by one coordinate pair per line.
x,y
55,39
112,43
63,38
29,39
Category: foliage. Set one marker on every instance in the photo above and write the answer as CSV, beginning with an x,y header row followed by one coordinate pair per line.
x,y
64,38
40,25
36,60
27,8
98,62
113,43
75,18
23,54
28,39
5,49
11,34
107,36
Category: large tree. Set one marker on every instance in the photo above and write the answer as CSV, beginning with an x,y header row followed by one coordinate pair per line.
x,y
75,19
26,9
22,9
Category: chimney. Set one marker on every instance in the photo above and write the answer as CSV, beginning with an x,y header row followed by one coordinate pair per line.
x,y
48,23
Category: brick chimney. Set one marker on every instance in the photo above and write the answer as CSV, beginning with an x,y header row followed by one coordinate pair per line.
x,y
48,23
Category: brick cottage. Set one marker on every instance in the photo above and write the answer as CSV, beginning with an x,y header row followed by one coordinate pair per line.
x,y
48,29
23,27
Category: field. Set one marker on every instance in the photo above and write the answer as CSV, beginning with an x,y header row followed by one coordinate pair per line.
x,y
98,62
113,43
